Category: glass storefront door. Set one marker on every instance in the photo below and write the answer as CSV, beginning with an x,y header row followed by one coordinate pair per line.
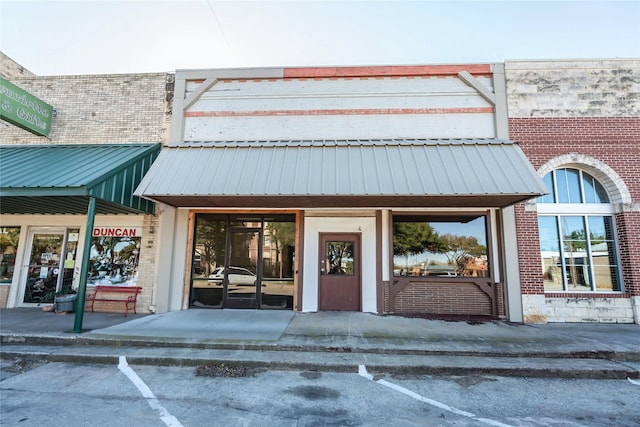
x,y
241,274
243,261
51,264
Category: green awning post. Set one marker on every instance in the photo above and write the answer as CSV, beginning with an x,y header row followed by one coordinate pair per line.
x,y
84,269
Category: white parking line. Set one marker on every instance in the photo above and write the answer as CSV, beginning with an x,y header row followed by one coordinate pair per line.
x,y
165,416
362,371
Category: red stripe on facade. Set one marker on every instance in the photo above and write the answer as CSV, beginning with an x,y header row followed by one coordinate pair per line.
x,y
342,112
387,71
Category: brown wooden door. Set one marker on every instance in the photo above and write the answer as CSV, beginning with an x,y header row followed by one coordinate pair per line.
x,y
339,283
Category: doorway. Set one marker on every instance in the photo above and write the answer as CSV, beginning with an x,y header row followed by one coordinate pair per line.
x,y
242,272
339,285
243,261
51,263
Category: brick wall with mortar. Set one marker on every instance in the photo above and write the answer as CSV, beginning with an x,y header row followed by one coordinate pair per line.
x,y
580,110
443,298
10,68
99,109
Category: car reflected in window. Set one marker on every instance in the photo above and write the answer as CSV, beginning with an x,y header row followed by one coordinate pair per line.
x,y
237,276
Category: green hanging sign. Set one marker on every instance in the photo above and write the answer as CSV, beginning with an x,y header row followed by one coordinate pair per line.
x,y
24,110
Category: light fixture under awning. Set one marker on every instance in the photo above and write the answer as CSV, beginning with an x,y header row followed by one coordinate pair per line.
x,y
343,173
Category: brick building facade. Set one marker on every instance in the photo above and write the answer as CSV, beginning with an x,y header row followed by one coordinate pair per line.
x,y
395,184
89,110
583,116
568,117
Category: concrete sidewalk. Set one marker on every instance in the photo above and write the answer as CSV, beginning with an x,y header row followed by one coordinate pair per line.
x,y
337,341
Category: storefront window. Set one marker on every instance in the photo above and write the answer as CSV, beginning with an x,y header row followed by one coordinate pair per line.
x,y
440,246
114,257
278,254
235,255
9,238
208,260
578,252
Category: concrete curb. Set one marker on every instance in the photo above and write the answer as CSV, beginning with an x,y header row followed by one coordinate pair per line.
x,y
123,342
89,350
430,365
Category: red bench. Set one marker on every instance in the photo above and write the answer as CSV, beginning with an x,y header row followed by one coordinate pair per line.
x,y
125,294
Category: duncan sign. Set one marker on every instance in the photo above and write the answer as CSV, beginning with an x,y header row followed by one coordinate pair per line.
x,y
117,232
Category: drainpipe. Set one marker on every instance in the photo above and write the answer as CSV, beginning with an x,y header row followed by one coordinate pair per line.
x,y
84,269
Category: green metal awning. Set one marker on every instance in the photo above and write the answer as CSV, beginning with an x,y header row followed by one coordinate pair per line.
x,y
60,179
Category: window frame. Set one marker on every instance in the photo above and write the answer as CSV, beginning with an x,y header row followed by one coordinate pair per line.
x,y
584,210
493,258
581,190
10,262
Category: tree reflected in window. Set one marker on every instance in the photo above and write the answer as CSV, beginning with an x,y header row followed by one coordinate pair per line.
x,y
428,246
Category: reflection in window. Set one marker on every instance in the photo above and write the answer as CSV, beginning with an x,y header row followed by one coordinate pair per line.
x,y
573,186
339,258
209,254
114,260
431,246
9,238
578,252
568,186
269,266
278,255
278,250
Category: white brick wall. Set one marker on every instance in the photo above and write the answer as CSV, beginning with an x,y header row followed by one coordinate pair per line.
x,y
102,109
635,308
147,260
99,109
533,308
10,68
538,309
602,310
573,88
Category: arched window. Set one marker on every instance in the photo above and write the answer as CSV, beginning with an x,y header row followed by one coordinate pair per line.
x,y
577,235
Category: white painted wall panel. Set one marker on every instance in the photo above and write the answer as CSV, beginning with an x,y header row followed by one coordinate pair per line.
x,y
468,125
373,101
331,94
278,87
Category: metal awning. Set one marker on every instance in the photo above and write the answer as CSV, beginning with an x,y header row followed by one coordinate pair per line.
x,y
343,173
60,179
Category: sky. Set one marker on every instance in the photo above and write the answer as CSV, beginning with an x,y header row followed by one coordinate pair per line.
x,y
68,37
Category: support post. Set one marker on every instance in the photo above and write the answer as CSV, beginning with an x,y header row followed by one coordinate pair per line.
x,y
84,269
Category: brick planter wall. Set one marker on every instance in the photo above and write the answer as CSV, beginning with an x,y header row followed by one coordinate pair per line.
x,y
433,298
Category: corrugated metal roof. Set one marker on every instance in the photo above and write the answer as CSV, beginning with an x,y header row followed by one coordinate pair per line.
x,y
60,178
352,168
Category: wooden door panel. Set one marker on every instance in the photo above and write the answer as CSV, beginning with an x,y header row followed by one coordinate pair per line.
x,y
339,283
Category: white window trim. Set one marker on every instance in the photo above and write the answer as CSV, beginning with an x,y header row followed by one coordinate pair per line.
x,y
576,209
